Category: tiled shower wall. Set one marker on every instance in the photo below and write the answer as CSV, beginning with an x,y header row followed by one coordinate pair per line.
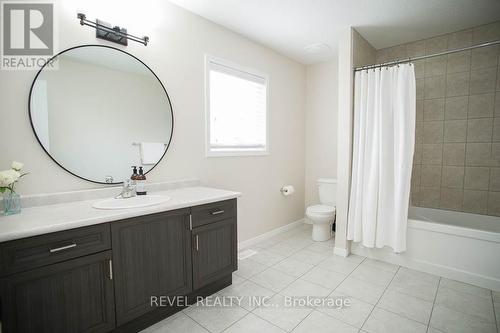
x,y
457,151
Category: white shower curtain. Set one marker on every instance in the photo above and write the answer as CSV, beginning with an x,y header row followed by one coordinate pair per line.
x,y
384,138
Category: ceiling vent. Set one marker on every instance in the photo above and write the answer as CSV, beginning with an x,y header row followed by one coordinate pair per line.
x,y
318,49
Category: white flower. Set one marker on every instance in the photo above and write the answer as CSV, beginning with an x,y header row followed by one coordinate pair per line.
x,y
17,166
8,177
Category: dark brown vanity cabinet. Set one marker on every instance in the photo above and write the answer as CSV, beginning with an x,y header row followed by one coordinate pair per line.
x,y
101,278
152,257
71,296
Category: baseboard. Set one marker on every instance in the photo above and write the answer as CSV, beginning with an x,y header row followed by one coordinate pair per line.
x,y
449,272
269,234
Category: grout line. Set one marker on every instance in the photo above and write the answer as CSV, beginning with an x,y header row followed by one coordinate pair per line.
x,y
382,295
433,303
497,324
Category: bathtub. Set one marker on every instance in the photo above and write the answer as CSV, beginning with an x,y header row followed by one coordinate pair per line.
x,y
460,246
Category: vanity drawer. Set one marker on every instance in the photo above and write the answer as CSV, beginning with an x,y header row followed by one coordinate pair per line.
x,y
27,253
213,212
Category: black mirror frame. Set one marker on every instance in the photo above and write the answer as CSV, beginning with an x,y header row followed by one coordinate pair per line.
x,y
109,47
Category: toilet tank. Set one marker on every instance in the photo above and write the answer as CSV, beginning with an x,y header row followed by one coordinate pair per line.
x,y
327,188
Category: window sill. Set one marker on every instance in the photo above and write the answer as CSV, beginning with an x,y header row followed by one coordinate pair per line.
x,y
236,153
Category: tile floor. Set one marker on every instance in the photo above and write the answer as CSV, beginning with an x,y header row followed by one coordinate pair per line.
x,y
384,298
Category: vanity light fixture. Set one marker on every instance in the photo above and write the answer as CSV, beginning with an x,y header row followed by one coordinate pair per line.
x,y
113,34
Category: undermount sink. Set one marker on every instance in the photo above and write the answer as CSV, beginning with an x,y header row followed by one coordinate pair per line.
x,y
134,202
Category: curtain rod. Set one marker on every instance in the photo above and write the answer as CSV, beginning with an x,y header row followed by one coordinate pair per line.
x,y
402,61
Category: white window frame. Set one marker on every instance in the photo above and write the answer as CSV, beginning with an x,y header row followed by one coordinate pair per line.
x,y
246,70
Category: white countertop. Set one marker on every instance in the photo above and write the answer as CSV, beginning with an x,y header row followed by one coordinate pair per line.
x,y
51,218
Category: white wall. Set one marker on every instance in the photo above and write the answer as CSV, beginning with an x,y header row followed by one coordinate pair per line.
x,y
321,126
178,42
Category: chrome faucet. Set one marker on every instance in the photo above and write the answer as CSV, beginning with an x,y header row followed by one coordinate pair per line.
x,y
128,190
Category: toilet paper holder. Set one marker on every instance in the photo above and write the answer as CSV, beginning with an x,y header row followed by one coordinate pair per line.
x,y
287,190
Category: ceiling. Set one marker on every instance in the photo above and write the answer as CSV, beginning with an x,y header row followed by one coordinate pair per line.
x,y
289,26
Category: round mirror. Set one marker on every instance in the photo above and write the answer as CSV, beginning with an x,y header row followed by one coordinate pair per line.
x,y
98,111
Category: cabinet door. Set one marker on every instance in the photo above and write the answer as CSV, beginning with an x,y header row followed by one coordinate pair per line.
x,y
152,257
69,297
214,252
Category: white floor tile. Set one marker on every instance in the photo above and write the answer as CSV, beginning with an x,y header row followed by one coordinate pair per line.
x,y
318,322
373,274
407,306
340,264
215,318
293,267
354,314
273,279
382,321
451,321
381,265
310,257
250,293
267,258
362,290
174,324
248,268
465,288
281,315
415,283
251,324
285,248
466,303
324,277
302,288
322,247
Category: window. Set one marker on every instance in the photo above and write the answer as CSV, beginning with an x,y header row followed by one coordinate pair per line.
x,y
236,110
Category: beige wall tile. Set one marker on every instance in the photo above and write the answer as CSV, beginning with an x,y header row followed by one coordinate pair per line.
x,y
397,52
415,196
431,175
451,198
498,75
458,62
496,130
415,49
420,83
479,130
454,154
494,203
382,56
417,154
483,81
419,110
481,106
478,154
495,154
435,66
497,105
457,84
436,44
477,178
433,132
416,172
456,107
460,39
495,179
454,131
435,87
484,57
486,33
475,201
419,132
430,196
432,153
434,109
452,176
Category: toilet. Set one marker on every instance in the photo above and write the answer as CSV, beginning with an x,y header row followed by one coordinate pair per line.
x,y
323,215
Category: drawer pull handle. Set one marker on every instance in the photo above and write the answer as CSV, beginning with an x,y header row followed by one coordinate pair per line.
x,y
197,243
218,212
62,248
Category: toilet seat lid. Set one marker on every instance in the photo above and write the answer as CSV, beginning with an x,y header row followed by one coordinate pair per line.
x,y
321,209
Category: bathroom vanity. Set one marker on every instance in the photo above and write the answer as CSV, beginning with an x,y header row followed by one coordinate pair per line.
x,y
100,276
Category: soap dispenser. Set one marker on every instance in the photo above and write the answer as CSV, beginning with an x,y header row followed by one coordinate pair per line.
x,y
134,176
141,183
